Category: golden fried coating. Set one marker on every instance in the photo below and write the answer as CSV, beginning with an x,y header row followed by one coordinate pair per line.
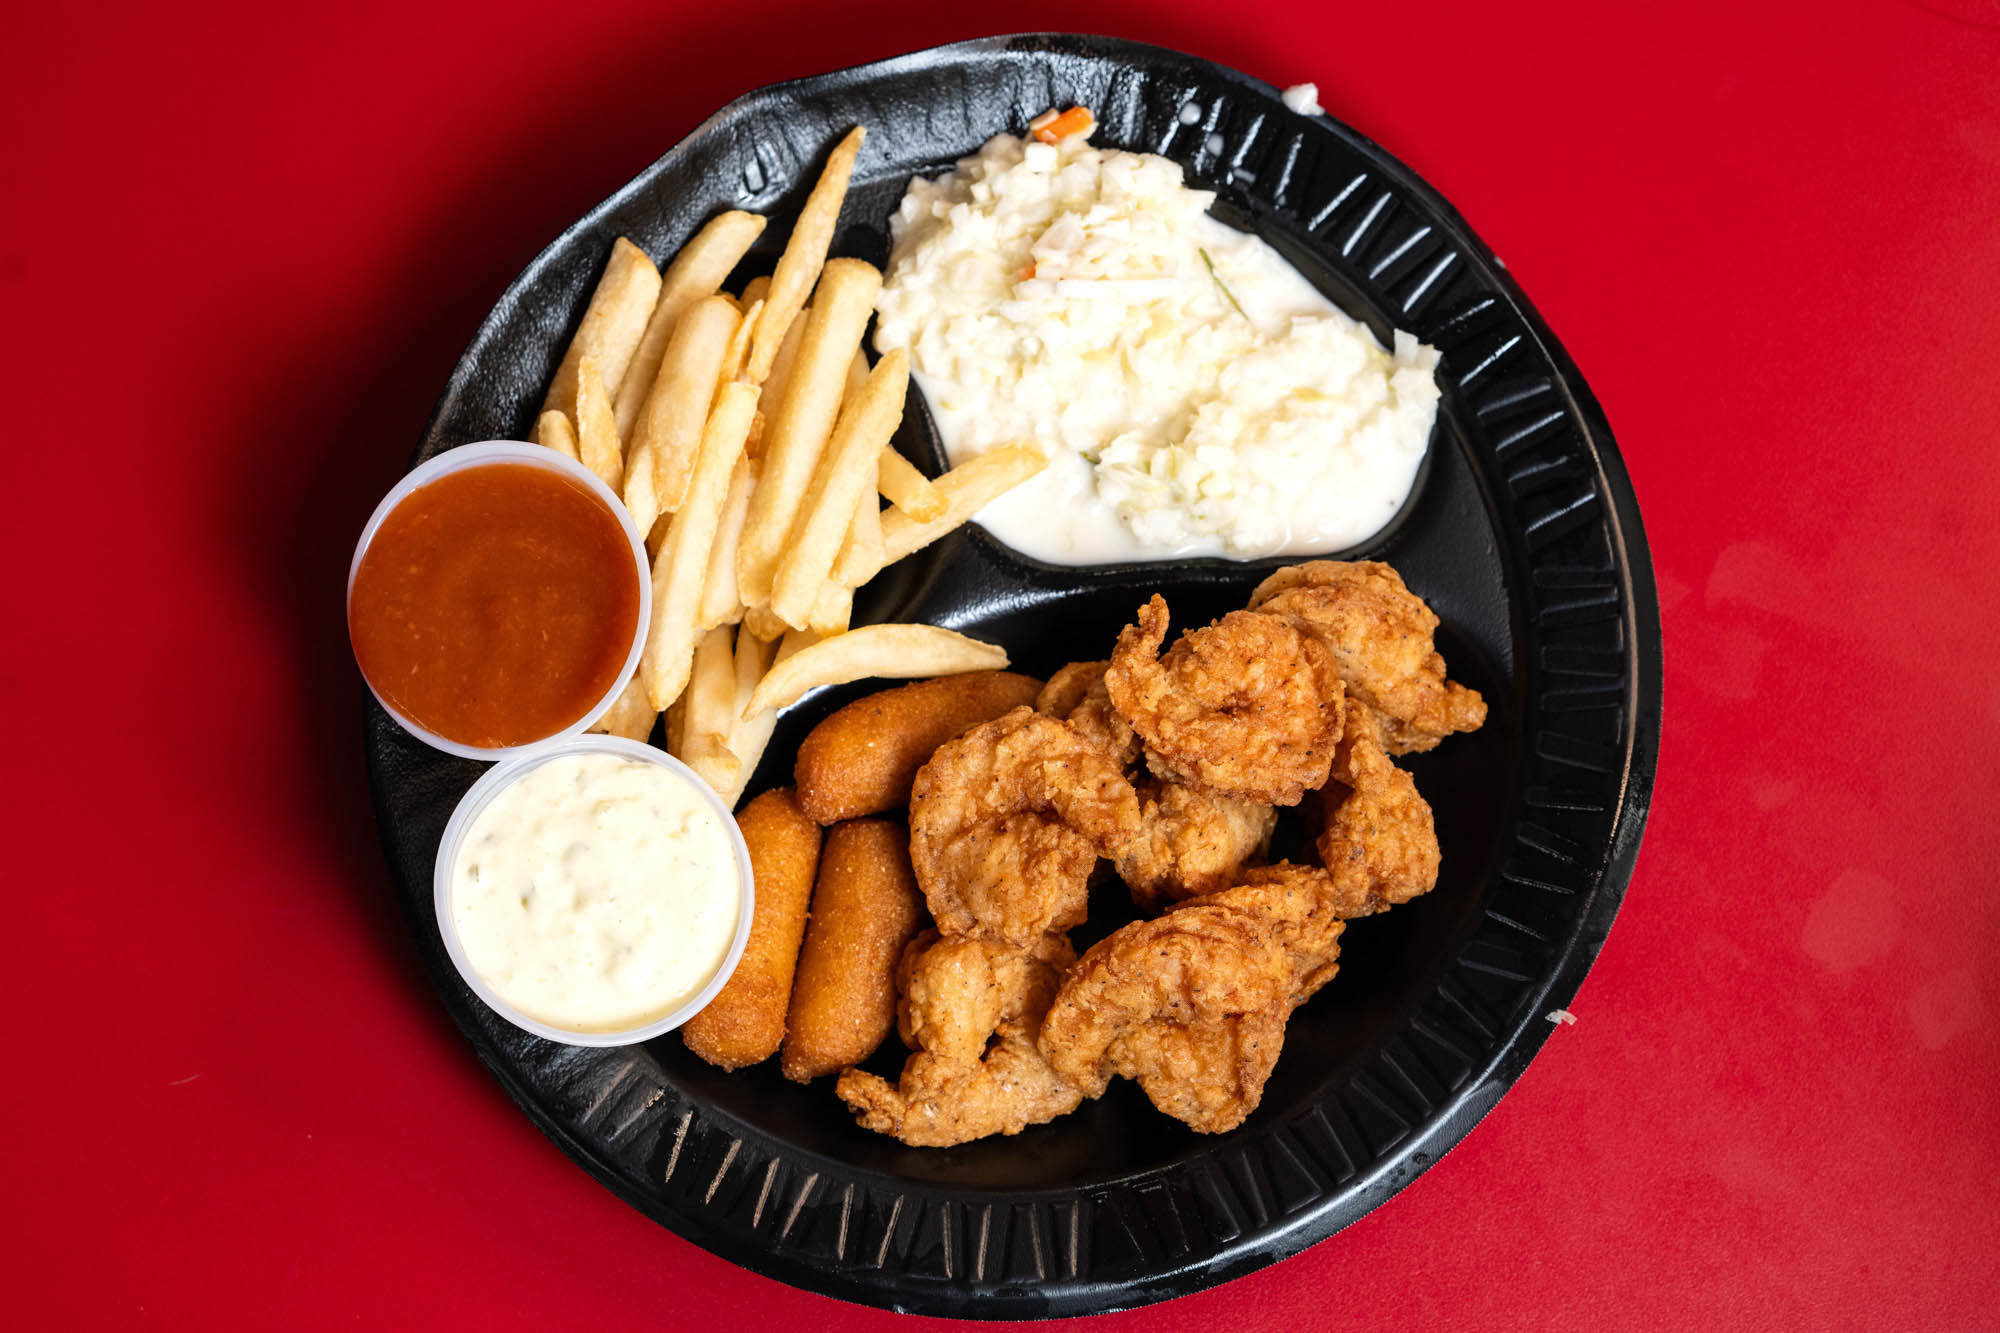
x,y
1249,706
1077,695
745,1022
1190,841
1380,635
862,759
957,992
1210,1076
938,1102
1007,823
1138,1001
1378,840
1302,907
865,908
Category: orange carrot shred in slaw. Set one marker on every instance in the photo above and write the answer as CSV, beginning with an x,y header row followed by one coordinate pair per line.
x,y
1053,126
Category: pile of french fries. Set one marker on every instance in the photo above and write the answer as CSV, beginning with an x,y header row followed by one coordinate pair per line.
x,y
750,439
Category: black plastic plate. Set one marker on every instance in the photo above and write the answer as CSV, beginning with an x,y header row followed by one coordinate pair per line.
x,y
1525,538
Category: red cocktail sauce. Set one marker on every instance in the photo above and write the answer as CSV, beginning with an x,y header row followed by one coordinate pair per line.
x,y
496,605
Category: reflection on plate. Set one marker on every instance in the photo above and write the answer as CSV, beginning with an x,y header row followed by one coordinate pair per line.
x,y
1522,534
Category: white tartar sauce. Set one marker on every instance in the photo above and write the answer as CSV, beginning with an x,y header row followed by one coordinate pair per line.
x,y
596,893
1196,395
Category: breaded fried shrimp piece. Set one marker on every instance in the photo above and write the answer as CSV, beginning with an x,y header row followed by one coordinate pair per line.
x,y
1303,909
865,908
862,759
957,992
1121,1007
1249,706
1007,823
1077,695
1191,841
1378,839
938,1103
1380,634
745,1022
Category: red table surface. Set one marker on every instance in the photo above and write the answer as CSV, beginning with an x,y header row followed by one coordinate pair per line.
x,y
242,248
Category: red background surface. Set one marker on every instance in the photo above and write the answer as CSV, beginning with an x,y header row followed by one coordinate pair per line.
x,y
243,245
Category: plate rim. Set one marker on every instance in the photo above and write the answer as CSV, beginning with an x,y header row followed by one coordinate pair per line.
x,y
1457,1113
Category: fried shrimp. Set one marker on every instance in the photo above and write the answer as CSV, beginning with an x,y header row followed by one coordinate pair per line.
x,y
957,991
1190,842
1380,634
1302,906
1378,841
1249,706
1192,1005
937,1102
1077,695
1008,822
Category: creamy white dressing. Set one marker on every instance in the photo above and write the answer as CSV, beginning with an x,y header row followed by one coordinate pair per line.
x,y
596,893
1197,396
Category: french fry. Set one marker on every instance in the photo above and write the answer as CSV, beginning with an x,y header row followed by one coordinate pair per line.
x,y
673,725
669,431
739,343
697,271
630,715
805,253
862,553
754,729
844,478
712,711
967,488
890,651
908,489
755,290
682,565
749,736
832,610
552,429
596,430
857,375
761,621
720,602
613,324
775,382
796,436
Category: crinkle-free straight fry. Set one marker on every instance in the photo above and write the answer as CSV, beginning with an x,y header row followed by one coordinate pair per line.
x,y
805,252
889,651
745,1022
552,430
861,555
630,715
739,343
697,271
613,324
669,430
796,436
720,602
682,565
844,478
709,724
967,489
596,431
832,611
908,489
755,290
749,736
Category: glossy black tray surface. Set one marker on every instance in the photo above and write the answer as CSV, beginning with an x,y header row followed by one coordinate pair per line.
x,y
1523,536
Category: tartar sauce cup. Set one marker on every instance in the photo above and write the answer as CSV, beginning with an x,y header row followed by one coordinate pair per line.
x,y
487,454
503,775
